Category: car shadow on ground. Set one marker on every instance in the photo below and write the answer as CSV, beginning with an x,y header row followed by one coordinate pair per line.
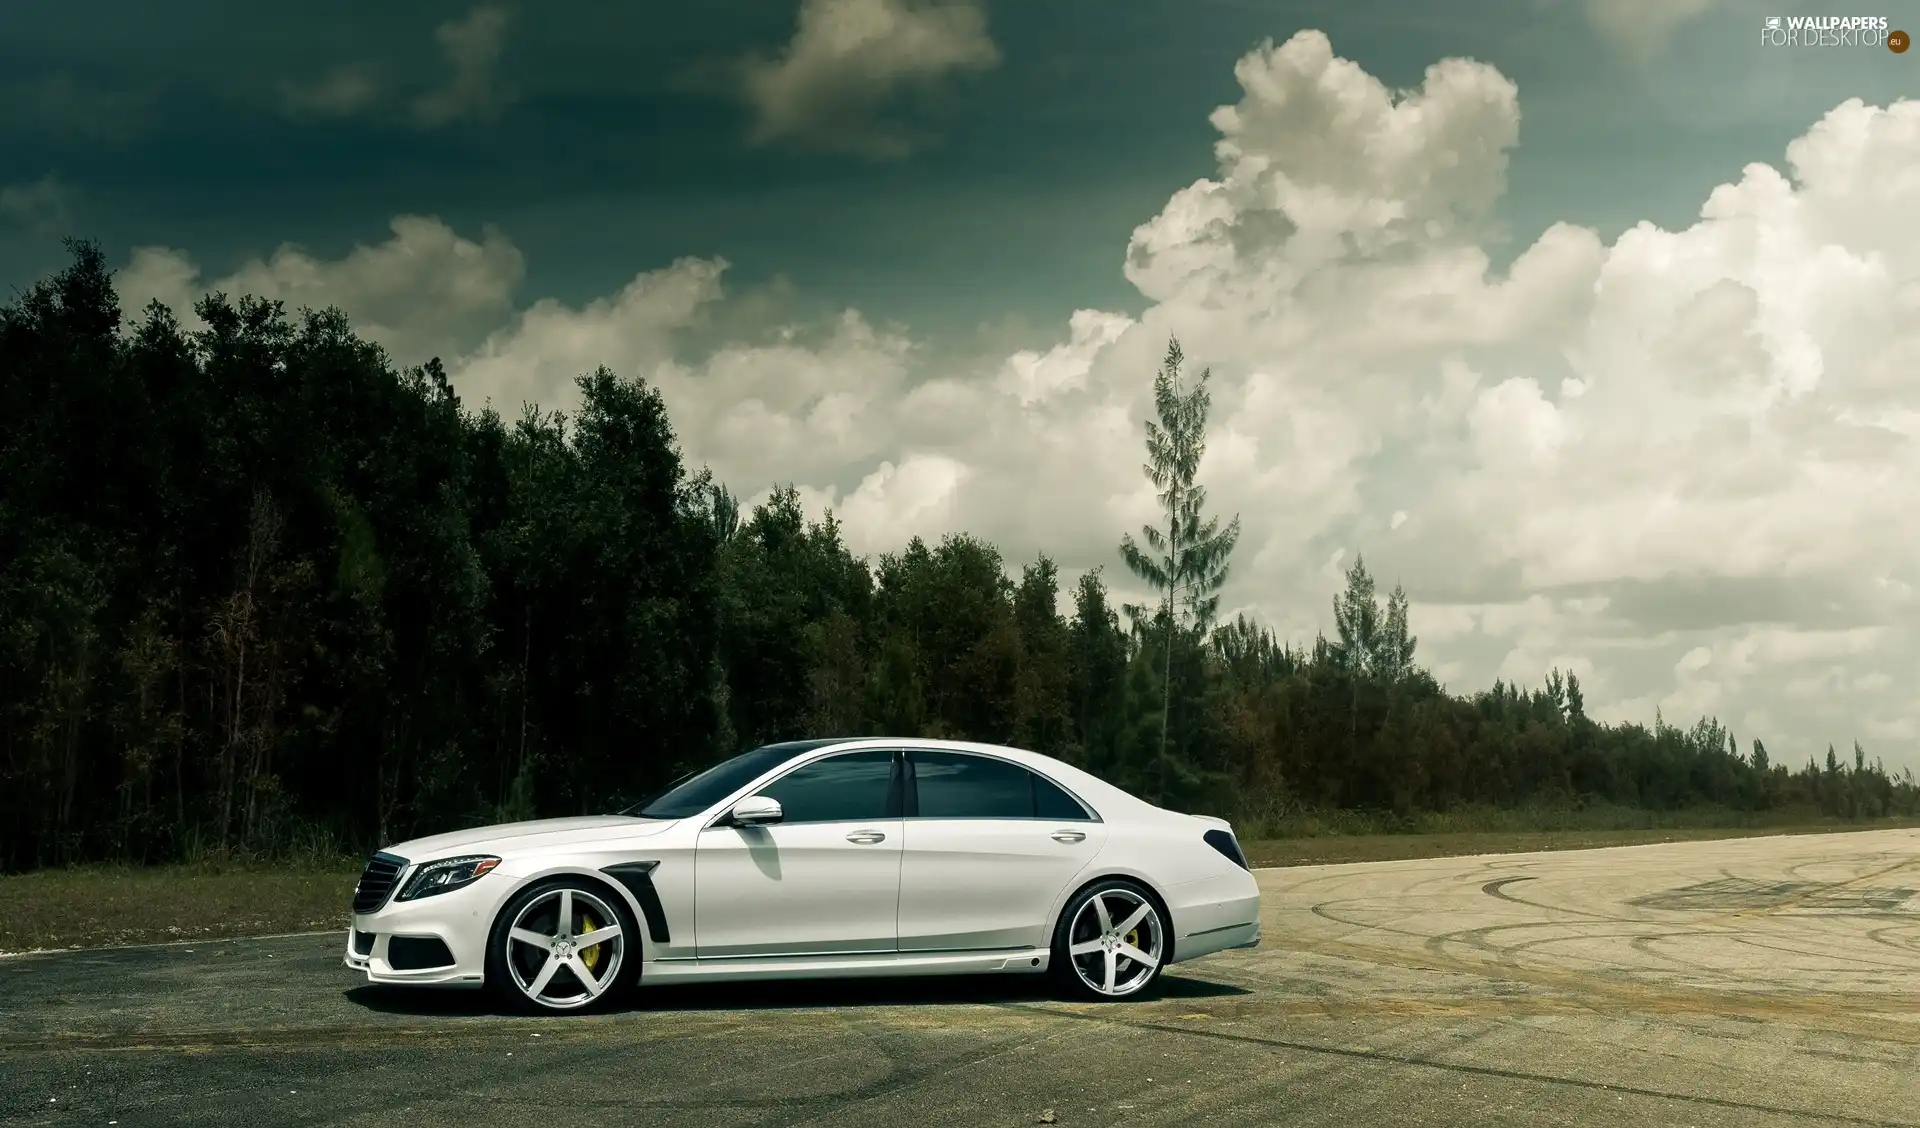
x,y
920,991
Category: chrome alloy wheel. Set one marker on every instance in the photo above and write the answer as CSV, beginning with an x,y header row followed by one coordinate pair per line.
x,y
565,948
1116,942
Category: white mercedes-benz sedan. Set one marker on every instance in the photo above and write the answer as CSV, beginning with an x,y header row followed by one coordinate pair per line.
x,y
816,859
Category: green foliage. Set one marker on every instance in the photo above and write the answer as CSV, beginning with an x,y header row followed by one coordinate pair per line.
x,y
1373,641
264,594
1186,556
1185,561
792,600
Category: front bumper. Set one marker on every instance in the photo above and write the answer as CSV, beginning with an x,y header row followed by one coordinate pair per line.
x,y
434,941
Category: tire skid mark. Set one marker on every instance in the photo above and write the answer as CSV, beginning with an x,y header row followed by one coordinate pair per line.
x,y
1498,890
1474,939
1644,944
1322,911
1495,1072
1858,1015
1707,925
1477,939
1821,889
1878,965
1637,940
1879,936
900,1080
1505,956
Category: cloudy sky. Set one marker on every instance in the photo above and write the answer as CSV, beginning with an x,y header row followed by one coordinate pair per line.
x,y
1593,322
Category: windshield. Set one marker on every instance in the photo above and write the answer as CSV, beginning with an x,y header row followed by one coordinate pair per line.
x,y
690,795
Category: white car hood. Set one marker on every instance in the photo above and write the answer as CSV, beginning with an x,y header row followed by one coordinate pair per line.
x,y
521,837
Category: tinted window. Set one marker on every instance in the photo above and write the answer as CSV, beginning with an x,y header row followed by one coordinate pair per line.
x,y
852,787
952,785
693,794
1050,802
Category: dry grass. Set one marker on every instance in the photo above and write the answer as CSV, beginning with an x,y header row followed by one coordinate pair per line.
x,y
1334,848
94,907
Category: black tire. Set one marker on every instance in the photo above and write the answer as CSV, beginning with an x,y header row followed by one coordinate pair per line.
x,y
512,966
1114,893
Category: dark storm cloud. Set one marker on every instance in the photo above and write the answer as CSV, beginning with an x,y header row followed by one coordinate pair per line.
x,y
472,46
343,92
849,57
40,205
90,109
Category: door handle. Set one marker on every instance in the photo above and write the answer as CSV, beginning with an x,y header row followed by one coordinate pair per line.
x,y
1068,836
866,837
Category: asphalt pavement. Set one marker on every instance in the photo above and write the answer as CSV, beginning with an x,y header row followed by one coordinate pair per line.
x,y
1751,982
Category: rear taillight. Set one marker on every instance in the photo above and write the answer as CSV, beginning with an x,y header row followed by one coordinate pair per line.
x,y
1223,841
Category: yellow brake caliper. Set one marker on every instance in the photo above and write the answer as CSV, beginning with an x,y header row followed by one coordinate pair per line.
x,y
590,957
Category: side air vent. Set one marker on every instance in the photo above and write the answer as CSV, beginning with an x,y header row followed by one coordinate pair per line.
x,y
417,953
1223,841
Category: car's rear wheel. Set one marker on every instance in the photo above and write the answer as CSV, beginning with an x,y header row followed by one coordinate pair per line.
x,y
1111,942
561,947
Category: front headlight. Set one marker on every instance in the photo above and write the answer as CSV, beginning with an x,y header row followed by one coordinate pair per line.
x,y
446,875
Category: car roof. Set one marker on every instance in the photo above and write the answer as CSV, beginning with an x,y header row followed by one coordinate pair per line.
x,y
927,744
801,747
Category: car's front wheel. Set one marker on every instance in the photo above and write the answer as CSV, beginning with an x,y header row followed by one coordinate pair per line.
x,y
1111,942
561,947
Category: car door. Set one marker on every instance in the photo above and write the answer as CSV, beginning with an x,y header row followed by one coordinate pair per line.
x,y
990,846
823,880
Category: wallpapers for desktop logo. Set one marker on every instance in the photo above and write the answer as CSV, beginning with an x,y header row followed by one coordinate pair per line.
x,y
1832,31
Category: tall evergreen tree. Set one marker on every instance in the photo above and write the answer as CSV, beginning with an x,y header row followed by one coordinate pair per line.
x,y
1185,559
1374,642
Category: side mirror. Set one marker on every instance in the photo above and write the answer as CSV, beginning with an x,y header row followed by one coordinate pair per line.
x,y
755,810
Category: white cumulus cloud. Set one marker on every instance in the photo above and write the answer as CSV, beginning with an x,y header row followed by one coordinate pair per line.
x,y
426,289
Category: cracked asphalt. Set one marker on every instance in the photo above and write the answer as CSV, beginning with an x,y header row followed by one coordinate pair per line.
x,y
1750,982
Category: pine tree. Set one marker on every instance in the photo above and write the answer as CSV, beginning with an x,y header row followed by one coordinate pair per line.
x,y
1186,557
1374,643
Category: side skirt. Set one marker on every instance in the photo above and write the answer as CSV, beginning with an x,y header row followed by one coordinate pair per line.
x,y
844,966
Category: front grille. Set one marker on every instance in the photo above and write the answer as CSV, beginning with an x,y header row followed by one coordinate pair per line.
x,y
376,882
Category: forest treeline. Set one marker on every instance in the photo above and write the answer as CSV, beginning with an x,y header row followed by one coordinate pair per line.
x,y
263,592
